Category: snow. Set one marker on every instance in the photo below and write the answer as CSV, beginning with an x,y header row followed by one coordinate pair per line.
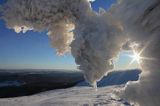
x,y
80,95
75,96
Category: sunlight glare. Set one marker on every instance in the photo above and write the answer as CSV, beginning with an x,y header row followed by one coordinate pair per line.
x,y
136,56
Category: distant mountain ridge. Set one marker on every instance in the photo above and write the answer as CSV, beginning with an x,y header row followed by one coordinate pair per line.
x,y
116,78
15,83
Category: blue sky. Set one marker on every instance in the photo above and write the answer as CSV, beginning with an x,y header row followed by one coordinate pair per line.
x,y
33,50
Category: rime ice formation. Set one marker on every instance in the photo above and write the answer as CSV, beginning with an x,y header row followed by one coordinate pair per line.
x,y
72,25
95,39
140,20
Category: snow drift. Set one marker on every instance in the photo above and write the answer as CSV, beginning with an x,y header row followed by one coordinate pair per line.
x,y
95,39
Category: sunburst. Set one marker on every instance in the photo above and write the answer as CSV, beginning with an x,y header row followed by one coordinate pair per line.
x,y
136,56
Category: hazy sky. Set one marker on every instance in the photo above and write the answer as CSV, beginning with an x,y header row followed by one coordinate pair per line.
x,y
33,49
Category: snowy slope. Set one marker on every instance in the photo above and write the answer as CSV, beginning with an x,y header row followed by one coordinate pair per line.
x,y
81,95
76,96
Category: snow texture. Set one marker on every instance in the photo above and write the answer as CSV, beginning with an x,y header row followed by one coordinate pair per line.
x,y
76,96
95,39
140,20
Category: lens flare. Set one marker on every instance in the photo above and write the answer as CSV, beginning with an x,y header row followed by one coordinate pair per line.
x,y
136,56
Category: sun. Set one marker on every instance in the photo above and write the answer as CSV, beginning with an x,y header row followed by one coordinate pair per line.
x,y
136,57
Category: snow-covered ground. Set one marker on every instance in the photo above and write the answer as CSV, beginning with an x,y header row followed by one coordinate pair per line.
x,y
75,96
80,95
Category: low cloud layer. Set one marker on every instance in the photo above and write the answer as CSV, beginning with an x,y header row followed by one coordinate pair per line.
x,y
95,39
